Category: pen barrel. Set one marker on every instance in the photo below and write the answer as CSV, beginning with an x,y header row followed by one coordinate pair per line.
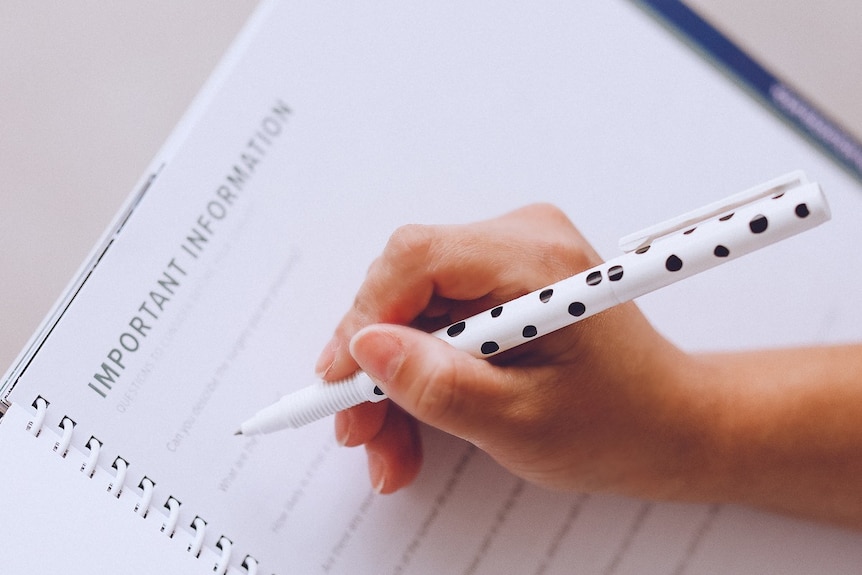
x,y
666,260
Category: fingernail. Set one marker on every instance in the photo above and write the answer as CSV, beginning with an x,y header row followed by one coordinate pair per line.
x,y
377,472
342,428
378,352
327,358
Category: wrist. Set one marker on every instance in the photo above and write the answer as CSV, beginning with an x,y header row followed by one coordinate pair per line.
x,y
785,435
688,432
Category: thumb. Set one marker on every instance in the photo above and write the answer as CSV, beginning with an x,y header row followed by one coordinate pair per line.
x,y
436,383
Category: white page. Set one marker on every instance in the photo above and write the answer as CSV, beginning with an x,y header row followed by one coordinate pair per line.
x,y
400,114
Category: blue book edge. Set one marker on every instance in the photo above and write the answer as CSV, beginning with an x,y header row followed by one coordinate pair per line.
x,y
781,98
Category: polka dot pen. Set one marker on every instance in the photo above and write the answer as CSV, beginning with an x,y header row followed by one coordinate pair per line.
x,y
654,258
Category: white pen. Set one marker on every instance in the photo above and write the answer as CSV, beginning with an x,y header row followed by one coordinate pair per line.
x,y
654,258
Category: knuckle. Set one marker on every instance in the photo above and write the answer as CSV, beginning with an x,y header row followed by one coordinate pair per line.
x,y
409,243
564,250
569,257
551,211
549,214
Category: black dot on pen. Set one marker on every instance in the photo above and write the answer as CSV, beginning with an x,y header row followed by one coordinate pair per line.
x,y
530,331
545,296
721,251
758,224
673,263
594,279
456,329
577,309
497,311
490,347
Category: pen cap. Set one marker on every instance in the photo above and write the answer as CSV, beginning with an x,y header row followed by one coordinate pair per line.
x,y
721,238
683,222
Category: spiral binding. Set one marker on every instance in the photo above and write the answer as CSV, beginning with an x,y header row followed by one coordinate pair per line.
x,y
143,507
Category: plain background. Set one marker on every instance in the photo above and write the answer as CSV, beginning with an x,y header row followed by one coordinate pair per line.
x,y
89,91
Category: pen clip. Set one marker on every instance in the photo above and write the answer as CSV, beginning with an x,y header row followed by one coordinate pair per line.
x,y
648,235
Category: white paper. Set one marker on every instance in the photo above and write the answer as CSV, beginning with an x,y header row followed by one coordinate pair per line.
x,y
440,113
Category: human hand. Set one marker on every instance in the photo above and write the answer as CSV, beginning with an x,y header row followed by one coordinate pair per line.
x,y
599,405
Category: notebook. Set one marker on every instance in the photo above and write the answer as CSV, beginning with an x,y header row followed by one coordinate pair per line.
x,y
772,70
325,127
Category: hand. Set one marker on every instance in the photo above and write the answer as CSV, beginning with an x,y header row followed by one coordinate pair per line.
x,y
600,405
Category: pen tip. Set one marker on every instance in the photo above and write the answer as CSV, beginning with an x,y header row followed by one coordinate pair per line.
x,y
238,432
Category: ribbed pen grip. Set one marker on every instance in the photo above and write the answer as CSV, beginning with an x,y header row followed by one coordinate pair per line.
x,y
312,403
